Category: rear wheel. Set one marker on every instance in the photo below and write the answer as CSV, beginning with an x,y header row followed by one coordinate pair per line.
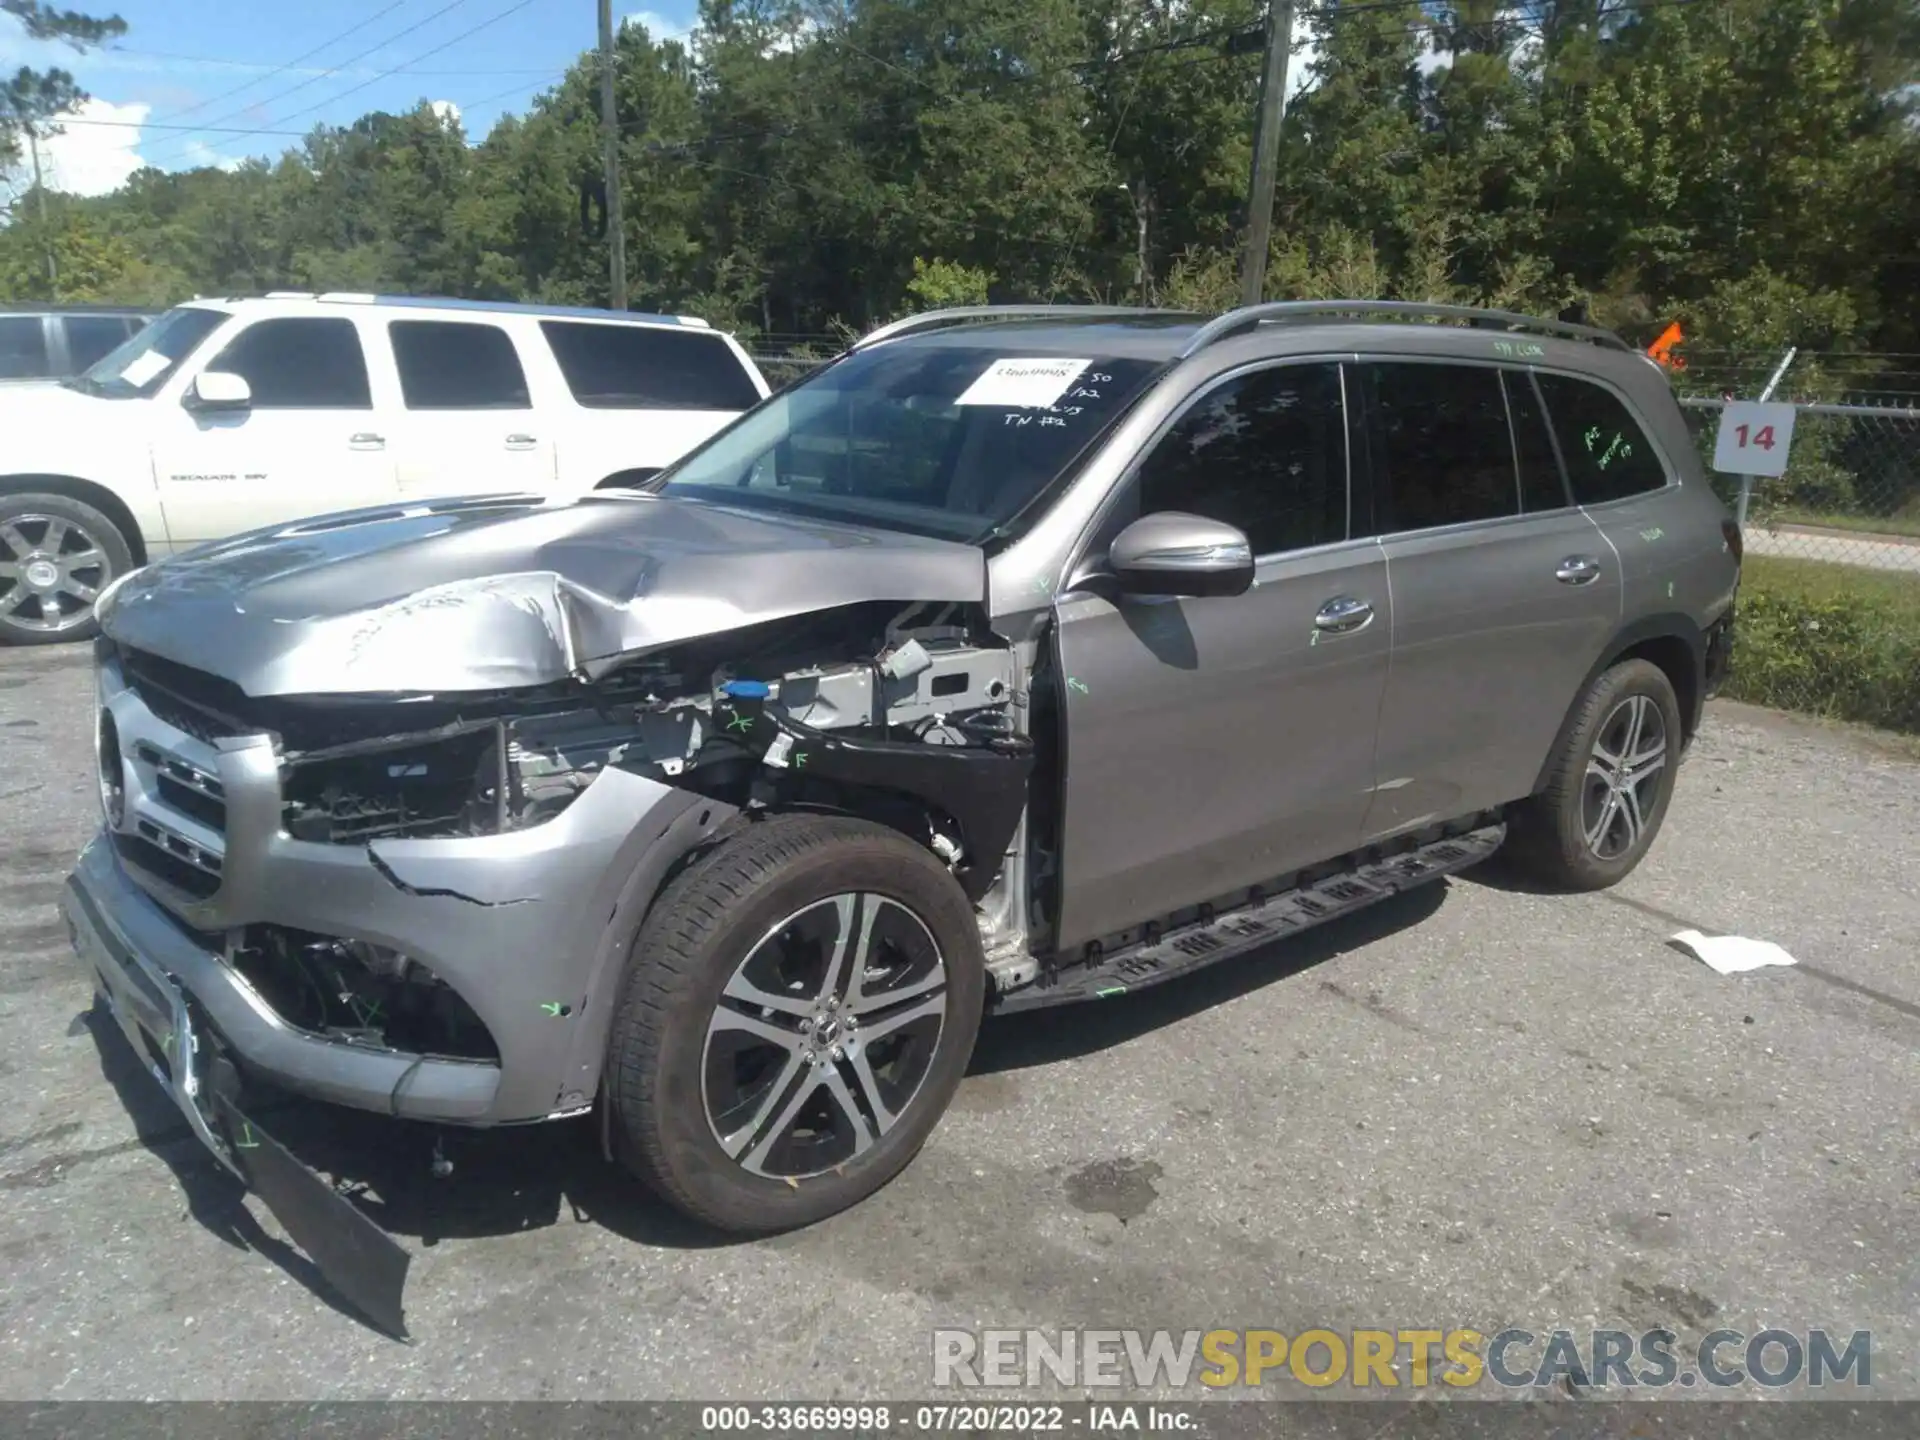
x,y
799,1010
1610,784
56,555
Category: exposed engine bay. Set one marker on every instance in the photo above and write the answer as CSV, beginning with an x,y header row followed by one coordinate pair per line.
x,y
920,711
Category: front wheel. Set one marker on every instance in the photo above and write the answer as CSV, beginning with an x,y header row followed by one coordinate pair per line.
x,y
1610,784
56,555
799,1009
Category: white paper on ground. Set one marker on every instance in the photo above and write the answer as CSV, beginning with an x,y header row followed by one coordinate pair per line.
x,y
1732,954
1023,384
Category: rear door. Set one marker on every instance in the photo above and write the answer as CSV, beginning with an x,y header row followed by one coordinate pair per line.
x,y
312,442
467,421
639,396
1621,481
1214,743
1503,592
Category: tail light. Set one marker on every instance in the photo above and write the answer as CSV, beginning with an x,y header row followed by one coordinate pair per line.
x,y
1736,547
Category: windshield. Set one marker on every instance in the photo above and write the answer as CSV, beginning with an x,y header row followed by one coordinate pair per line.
x,y
142,364
950,441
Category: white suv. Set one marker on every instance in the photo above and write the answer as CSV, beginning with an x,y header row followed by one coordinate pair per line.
x,y
226,415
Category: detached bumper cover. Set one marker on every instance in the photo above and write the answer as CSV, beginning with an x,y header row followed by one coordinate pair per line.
x,y
168,1030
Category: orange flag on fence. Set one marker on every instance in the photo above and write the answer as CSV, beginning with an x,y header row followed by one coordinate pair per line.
x,y
1662,349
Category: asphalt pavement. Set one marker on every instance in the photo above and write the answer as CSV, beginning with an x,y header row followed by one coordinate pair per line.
x,y
1474,1106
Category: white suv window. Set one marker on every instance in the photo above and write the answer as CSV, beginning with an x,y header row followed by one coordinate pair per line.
x,y
646,367
458,365
300,364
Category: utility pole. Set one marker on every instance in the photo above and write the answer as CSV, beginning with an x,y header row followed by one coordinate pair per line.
x,y
1266,150
610,123
46,230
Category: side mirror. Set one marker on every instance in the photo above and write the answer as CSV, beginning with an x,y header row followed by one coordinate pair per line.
x,y
219,390
1172,553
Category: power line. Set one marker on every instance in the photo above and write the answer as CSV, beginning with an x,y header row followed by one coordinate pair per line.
x,y
282,69
336,69
226,63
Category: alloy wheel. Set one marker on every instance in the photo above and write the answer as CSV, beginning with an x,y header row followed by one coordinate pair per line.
x,y
1624,774
823,1036
51,570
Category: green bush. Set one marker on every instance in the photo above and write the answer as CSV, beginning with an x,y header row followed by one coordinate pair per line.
x,y
1829,640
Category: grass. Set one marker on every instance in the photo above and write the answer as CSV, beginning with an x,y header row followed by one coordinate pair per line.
x,y
1836,641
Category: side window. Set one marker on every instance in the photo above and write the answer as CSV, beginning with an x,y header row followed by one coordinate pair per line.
x,y
1608,455
648,367
1265,451
1542,487
454,365
91,336
300,364
23,348
1442,452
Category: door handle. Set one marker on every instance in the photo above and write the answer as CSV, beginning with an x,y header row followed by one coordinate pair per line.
x,y
521,442
367,440
1578,570
1343,613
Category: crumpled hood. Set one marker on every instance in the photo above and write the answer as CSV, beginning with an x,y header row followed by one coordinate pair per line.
x,y
493,593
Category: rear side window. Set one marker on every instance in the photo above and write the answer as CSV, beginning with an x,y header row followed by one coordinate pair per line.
x,y
1608,455
90,337
1266,452
300,364
1442,449
455,365
645,367
1542,487
23,347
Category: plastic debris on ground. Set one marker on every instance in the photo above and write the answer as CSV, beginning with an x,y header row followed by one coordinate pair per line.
x,y
1731,954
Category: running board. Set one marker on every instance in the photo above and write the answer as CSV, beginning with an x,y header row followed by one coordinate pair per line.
x,y
1193,947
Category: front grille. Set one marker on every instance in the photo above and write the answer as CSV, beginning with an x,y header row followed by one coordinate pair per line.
x,y
160,862
163,721
204,706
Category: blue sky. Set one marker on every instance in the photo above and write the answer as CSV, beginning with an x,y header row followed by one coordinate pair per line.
x,y
191,77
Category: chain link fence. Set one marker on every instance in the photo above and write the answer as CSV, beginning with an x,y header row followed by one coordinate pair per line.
x,y
1830,592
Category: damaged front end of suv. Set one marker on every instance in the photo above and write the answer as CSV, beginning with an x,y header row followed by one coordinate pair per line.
x,y
395,855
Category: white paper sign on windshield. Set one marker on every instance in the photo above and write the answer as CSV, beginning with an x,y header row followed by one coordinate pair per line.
x,y
1023,384
142,368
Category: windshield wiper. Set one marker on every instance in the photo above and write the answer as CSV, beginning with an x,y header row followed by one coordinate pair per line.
x,y
85,384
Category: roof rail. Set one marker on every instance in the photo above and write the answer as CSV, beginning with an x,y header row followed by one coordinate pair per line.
x,y
935,319
1250,316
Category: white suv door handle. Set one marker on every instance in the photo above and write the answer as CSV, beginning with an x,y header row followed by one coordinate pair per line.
x,y
367,440
1578,570
521,442
1343,613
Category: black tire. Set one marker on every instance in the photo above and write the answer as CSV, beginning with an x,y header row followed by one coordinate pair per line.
x,y
773,895
76,530
1549,833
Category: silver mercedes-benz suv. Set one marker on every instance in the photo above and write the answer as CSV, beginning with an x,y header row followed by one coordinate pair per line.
x,y
1018,656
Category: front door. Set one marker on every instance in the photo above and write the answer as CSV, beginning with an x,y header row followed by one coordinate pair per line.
x,y
468,423
1504,594
310,443
1212,744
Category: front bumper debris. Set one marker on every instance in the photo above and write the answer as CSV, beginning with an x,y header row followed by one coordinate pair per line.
x,y
182,1050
